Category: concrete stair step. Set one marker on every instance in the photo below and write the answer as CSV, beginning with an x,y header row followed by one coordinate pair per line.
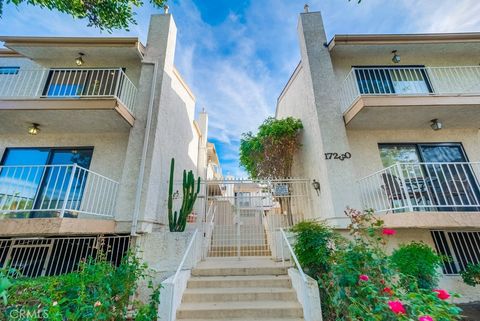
x,y
238,294
244,309
249,281
233,271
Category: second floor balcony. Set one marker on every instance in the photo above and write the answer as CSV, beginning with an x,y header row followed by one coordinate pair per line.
x,y
100,90
410,97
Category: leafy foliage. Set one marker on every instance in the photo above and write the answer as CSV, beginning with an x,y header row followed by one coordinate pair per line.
x,y
103,14
98,291
269,153
356,279
418,261
471,275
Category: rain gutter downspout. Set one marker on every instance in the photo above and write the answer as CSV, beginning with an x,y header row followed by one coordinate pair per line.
x,y
141,174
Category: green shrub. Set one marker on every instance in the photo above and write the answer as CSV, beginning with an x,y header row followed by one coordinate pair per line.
x,y
313,246
98,291
355,277
471,275
419,262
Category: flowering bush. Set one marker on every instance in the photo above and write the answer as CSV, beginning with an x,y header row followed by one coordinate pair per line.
x,y
357,281
98,291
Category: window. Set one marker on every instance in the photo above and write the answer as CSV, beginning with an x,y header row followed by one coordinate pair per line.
x,y
33,180
461,247
9,70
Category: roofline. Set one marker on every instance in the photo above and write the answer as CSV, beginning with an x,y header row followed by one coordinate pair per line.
x,y
5,52
75,41
289,82
386,39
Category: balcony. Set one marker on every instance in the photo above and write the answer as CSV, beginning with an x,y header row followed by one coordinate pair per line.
x,y
405,189
55,191
63,96
410,97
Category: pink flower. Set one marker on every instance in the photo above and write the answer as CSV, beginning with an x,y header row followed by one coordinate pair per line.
x,y
442,294
397,307
426,318
364,277
97,304
387,231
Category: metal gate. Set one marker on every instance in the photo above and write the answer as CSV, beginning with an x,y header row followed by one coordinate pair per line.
x,y
243,217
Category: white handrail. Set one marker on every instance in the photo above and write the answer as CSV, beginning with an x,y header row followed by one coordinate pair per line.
x,y
185,255
423,186
69,83
294,256
55,190
306,308
177,272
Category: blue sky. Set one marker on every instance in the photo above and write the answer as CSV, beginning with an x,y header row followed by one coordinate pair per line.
x,y
237,54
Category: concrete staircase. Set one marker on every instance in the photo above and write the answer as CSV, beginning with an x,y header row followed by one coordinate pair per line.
x,y
246,289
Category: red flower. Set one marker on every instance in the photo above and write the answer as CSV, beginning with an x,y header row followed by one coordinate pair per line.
x,y
387,231
442,294
388,291
364,277
397,307
426,318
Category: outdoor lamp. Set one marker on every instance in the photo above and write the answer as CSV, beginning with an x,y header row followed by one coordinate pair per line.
x,y
316,186
436,124
34,129
79,60
395,58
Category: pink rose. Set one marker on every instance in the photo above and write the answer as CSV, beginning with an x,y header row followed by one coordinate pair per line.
x,y
387,231
397,307
364,277
426,318
442,294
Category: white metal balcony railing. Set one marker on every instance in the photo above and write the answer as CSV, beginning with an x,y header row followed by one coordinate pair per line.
x,y
423,187
55,191
409,81
69,83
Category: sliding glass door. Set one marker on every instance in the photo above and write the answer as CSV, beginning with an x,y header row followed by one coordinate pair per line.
x,y
33,181
439,177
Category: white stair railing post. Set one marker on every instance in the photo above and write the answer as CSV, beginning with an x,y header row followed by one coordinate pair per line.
x,y
404,186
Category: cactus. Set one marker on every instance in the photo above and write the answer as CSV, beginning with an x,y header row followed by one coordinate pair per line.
x,y
177,220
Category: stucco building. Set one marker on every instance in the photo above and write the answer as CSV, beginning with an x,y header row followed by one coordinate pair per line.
x,y
391,123
87,130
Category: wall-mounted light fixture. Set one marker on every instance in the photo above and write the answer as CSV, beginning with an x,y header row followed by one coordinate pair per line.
x,y
79,60
396,57
34,129
436,124
316,186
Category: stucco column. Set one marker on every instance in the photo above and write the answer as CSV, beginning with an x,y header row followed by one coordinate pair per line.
x,y
160,50
337,178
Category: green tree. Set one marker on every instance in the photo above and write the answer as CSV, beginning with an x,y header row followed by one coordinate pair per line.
x,y
269,153
104,14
